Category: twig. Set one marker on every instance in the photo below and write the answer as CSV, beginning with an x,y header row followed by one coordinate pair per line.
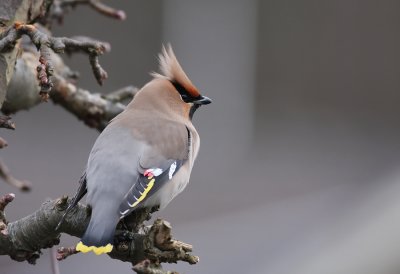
x,y
94,110
87,39
61,7
45,44
120,95
5,122
6,175
5,200
65,252
3,143
107,10
54,261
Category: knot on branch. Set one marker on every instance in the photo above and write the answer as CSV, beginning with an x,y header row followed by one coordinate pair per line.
x,y
147,267
160,247
62,203
4,201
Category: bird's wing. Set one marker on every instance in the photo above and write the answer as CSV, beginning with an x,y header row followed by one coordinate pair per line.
x,y
82,190
156,166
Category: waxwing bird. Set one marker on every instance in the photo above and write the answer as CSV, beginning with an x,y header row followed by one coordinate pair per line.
x,y
145,155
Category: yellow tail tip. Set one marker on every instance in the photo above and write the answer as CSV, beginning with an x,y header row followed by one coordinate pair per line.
x,y
96,250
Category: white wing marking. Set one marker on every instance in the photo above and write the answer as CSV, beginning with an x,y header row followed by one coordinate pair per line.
x,y
172,169
123,213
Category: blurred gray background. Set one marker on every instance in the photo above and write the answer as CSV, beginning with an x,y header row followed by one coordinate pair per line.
x,y
299,168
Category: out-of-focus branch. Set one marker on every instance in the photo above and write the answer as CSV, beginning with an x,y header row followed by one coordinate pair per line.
x,y
106,10
86,39
54,261
45,44
3,143
5,122
23,239
121,95
11,11
60,8
93,109
6,175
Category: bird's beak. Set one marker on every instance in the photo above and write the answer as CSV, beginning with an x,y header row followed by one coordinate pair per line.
x,y
202,100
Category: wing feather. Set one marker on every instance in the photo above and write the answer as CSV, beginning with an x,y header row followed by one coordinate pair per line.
x,y
147,184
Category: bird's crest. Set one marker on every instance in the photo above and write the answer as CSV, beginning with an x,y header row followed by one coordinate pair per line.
x,y
172,71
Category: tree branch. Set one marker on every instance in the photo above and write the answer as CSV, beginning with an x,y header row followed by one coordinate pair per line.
x,y
23,239
94,109
11,11
45,44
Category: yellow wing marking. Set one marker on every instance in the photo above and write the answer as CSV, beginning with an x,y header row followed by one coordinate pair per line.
x,y
97,250
144,194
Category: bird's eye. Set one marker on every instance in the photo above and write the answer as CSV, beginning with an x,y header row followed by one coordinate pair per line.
x,y
185,98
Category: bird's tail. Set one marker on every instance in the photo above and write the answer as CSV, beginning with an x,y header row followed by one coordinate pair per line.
x,y
81,247
99,235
